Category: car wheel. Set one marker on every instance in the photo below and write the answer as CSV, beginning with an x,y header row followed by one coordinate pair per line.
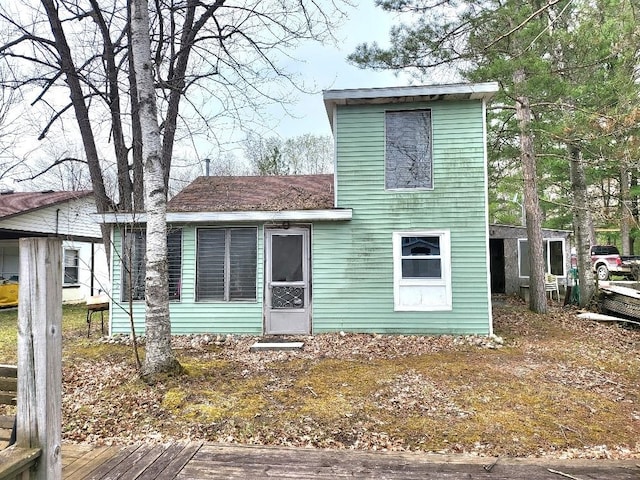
x,y
603,272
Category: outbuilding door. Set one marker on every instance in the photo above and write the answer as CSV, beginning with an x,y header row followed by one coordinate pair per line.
x,y
287,288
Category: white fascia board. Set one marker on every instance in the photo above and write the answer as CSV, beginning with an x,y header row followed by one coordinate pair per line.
x,y
218,217
472,91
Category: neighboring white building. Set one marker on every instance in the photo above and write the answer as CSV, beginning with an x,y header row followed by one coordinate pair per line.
x,y
67,215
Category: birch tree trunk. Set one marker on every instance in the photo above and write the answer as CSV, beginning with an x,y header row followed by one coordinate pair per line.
x,y
159,356
625,208
582,225
537,297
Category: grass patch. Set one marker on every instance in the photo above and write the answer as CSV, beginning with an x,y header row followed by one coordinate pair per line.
x,y
73,327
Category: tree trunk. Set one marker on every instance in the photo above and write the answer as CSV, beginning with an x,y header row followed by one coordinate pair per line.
x,y
159,356
582,225
176,79
125,186
103,203
625,209
537,296
136,131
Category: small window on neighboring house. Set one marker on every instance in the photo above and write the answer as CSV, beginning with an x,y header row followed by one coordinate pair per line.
x,y
226,264
71,266
408,161
134,268
554,257
422,270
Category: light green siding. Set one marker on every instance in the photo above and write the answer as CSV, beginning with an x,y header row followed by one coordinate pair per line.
x,y
187,315
353,262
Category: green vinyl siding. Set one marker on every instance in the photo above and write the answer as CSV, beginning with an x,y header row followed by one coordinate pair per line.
x,y
187,315
352,261
353,284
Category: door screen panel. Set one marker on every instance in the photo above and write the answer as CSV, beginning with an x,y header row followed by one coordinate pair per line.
x,y
286,251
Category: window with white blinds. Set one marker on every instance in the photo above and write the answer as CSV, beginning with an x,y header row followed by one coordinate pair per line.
x,y
71,266
133,263
226,264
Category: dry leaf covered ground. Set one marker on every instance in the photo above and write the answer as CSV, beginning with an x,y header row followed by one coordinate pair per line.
x,y
556,386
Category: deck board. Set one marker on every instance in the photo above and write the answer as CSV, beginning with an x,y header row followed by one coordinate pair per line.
x,y
159,469
108,470
198,461
83,466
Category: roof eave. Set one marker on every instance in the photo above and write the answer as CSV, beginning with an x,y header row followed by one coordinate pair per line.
x,y
420,93
74,198
326,215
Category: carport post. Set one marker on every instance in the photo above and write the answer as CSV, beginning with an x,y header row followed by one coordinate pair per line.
x,y
40,353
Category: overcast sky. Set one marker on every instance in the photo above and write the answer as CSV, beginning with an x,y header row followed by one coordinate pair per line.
x,y
326,68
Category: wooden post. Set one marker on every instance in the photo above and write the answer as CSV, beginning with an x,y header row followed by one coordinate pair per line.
x,y
40,353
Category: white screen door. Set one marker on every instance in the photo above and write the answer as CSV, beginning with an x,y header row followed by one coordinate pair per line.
x,y
287,295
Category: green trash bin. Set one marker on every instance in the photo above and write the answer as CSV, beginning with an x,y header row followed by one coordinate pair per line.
x,y
574,283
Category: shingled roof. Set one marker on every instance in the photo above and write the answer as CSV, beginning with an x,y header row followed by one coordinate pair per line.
x,y
265,193
23,202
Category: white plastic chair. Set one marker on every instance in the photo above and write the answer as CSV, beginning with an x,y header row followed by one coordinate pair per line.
x,y
551,285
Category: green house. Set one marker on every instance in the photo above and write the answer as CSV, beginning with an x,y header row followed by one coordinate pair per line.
x,y
396,241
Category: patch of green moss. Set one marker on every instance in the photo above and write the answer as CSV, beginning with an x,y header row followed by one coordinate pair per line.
x,y
95,351
174,399
195,368
332,389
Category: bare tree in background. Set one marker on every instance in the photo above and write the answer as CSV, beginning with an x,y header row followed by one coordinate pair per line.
x,y
300,155
10,156
223,54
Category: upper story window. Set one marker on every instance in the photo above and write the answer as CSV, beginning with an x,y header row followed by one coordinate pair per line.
x,y
71,266
133,264
408,159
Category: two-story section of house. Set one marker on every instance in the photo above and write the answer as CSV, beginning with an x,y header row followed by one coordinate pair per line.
x,y
395,241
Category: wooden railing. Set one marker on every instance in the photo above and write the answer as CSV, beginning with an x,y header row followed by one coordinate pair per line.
x,y
36,454
18,463
8,394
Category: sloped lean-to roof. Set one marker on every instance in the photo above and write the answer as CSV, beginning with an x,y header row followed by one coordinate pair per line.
x,y
22,202
250,199
265,193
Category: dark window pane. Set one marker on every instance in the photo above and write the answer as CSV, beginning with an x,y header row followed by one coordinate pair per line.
x,y
242,282
524,258
210,264
286,258
174,263
133,265
556,258
421,268
134,245
420,246
408,149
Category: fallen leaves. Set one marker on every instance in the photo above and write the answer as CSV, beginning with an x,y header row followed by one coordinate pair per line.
x,y
555,386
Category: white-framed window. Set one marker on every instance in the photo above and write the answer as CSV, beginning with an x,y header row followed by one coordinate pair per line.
x,y
408,152
71,266
554,254
226,262
422,270
133,263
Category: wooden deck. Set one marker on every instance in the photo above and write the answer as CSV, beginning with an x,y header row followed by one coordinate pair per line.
x,y
196,460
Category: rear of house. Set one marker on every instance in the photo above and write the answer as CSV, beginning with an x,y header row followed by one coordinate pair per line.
x,y
396,241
